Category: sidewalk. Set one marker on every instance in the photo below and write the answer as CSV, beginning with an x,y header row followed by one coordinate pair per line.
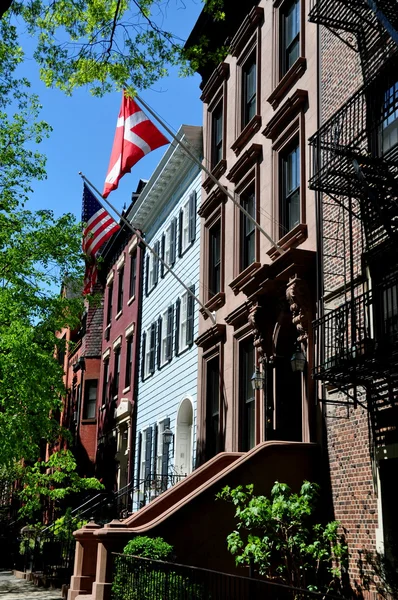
x,y
12,588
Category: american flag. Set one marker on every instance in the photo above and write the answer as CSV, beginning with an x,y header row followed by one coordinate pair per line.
x,y
99,226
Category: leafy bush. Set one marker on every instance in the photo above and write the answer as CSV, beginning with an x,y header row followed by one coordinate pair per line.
x,y
279,538
155,548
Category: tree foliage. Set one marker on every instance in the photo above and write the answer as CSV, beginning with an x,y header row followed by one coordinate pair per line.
x,y
55,480
109,43
278,536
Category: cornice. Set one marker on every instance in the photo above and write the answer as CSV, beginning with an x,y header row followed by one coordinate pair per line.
x,y
253,19
246,161
220,74
211,336
238,317
289,109
212,202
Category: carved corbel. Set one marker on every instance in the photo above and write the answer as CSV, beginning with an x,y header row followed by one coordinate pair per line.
x,y
256,319
299,299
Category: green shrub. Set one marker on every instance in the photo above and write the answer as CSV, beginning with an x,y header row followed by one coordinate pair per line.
x,y
155,548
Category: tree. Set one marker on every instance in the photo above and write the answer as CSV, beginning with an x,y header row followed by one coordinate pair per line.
x,y
109,43
278,536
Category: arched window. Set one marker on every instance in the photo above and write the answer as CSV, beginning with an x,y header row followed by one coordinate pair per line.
x,y
184,439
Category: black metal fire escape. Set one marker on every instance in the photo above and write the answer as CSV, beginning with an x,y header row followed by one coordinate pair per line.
x,y
355,166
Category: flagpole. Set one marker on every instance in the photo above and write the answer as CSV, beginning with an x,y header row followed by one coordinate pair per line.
x,y
155,254
210,174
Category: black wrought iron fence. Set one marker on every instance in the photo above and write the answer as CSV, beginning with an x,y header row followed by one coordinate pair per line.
x,y
145,579
152,486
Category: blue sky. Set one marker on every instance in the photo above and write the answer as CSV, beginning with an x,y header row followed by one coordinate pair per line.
x,y
84,127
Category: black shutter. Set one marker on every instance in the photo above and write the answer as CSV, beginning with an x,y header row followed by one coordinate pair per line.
x,y
177,330
180,233
138,463
165,451
152,349
148,452
169,349
162,255
156,263
173,232
146,274
192,217
155,449
190,316
159,344
143,356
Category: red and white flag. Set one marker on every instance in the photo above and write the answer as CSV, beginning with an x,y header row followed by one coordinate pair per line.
x,y
135,137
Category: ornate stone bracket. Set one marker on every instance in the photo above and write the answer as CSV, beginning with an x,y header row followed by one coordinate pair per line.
x,y
256,319
299,299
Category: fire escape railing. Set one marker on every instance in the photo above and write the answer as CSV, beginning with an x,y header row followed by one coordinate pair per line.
x,y
358,338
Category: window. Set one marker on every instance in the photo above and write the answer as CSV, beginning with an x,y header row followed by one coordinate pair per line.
x,y
109,307
116,373
148,350
120,290
129,361
162,457
290,192
390,123
187,224
215,259
217,134
185,321
133,274
212,408
248,230
146,454
152,268
163,339
249,89
290,35
90,399
389,308
105,381
246,393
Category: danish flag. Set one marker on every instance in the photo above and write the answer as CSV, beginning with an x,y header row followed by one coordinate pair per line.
x,y
99,226
135,137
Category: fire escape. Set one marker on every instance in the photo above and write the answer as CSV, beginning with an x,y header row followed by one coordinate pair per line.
x,y
355,175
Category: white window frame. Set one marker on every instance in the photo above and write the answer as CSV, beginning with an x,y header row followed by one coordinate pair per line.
x,y
159,451
167,245
163,341
143,456
182,335
185,227
147,357
151,271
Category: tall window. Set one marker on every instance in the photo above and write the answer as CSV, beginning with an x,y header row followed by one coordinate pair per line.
x,y
248,230
120,290
129,360
246,395
185,227
290,30
290,198
116,373
105,381
215,259
109,308
163,339
183,321
249,83
133,273
390,122
90,398
212,408
217,134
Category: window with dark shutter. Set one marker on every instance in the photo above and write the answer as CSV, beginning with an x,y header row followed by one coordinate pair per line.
x,y
162,249
155,450
165,452
152,349
170,318
180,219
173,232
148,453
192,217
143,355
147,275
190,316
159,344
177,329
138,463
156,263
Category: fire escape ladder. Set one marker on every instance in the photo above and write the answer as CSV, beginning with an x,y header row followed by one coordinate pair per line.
x,y
387,14
383,409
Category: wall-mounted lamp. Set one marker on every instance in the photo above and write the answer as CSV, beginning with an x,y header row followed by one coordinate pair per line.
x,y
298,361
258,380
168,436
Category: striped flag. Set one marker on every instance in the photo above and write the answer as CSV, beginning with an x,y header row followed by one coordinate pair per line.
x,y
135,137
99,226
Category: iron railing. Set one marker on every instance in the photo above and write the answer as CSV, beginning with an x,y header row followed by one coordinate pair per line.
x,y
359,337
137,578
152,486
371,30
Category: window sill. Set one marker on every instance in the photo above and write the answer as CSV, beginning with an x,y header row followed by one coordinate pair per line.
x,y
131,300
126,389
217,171
287,82
244,277
215,303
89,421
119,314
292,239
246,134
